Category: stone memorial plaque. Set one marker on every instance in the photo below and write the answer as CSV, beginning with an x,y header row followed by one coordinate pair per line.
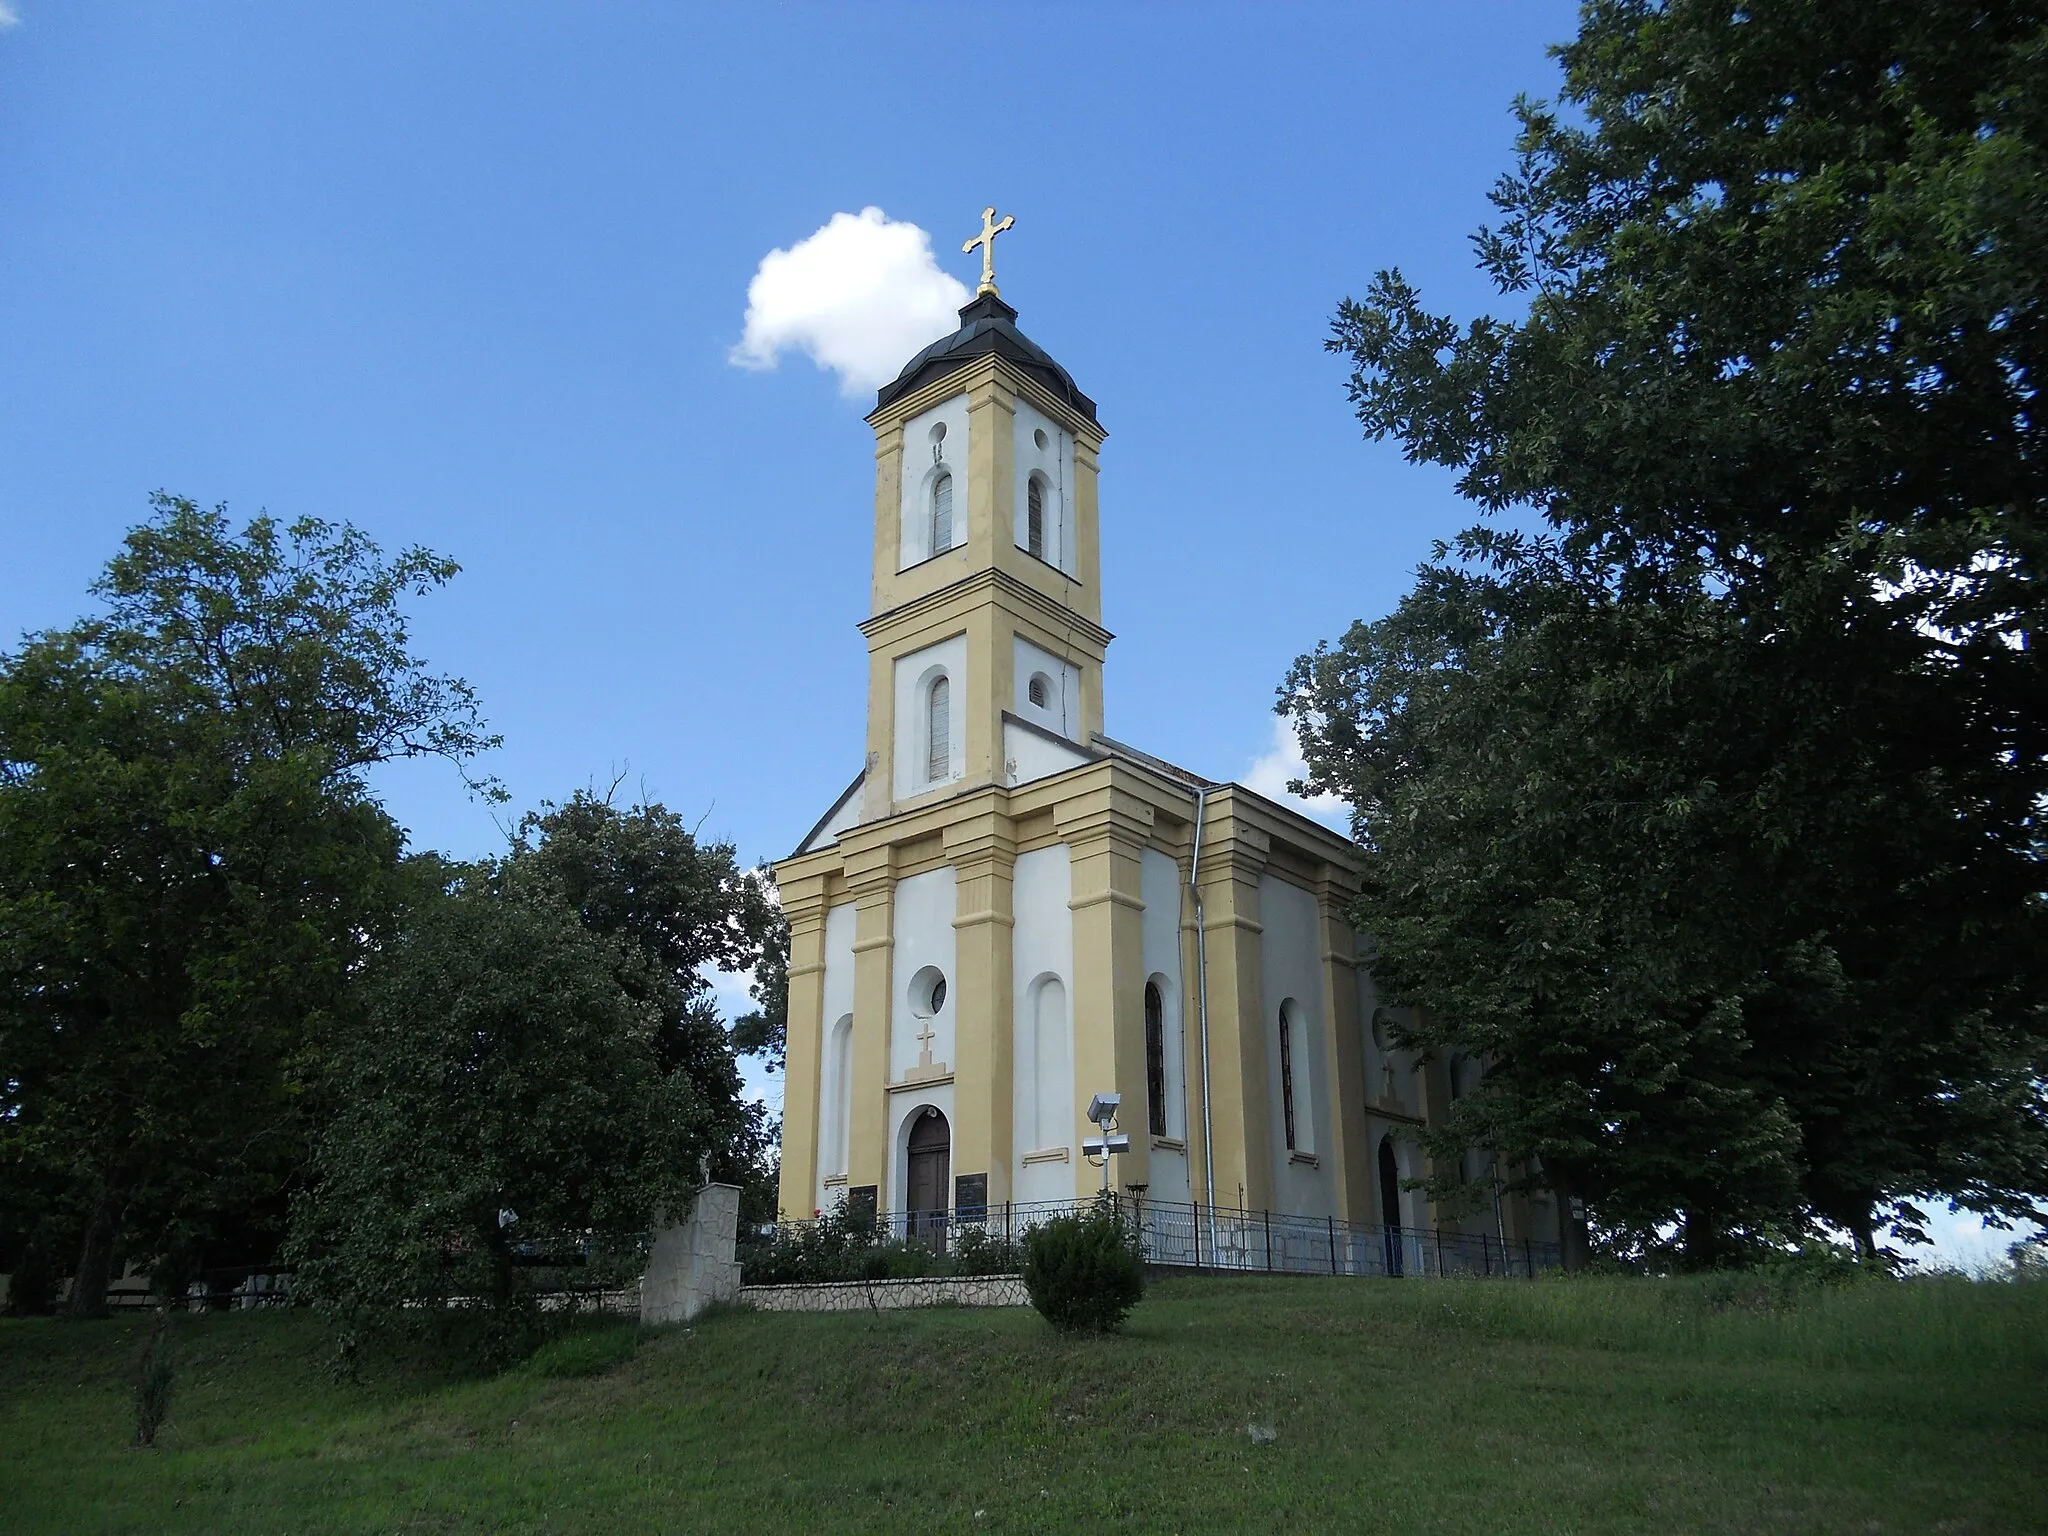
x,y
970,1197
862,1203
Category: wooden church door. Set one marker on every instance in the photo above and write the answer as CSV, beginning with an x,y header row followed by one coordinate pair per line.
x,y
931,1156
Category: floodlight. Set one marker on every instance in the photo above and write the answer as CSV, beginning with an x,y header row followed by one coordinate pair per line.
x,y
1102,1108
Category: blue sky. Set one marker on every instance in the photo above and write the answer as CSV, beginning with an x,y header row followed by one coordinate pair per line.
x,y
472,275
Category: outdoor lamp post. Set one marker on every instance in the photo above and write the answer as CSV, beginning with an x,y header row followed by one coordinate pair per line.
x,y
1102,1111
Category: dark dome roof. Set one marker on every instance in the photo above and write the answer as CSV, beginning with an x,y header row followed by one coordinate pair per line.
x,y
987,326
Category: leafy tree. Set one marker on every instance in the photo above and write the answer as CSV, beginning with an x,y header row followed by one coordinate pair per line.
x,y
190,864
539,1062
680,907
764,1031
1710,818
500,1096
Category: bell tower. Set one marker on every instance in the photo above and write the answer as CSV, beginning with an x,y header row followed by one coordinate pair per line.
x,y
987,597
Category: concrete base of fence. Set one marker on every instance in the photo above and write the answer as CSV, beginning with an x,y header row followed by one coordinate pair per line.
x,y
692,1265
889,1295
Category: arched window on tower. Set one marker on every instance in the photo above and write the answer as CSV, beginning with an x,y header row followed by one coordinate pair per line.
x,y
1155,1059
942,513
1034,516
938,726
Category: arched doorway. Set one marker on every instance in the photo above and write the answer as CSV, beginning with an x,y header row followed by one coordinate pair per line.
x,y
1390,1204
931,1157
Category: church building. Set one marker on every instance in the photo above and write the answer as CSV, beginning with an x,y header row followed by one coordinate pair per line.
x,y
1009,912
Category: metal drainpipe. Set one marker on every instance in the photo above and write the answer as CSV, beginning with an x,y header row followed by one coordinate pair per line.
x,y
1202,1007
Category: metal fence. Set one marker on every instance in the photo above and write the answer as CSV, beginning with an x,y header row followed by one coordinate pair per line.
x,y
1226,1238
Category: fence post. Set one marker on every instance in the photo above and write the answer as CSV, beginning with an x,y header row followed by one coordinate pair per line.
x,y
1268,1218
1198,1235
1331,1221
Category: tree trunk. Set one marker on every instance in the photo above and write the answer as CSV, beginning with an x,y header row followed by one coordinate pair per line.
x,y
500,1251
96,1256
1700,1240
1575,1245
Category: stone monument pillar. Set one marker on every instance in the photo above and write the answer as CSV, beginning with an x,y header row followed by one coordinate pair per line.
x,y
693,1263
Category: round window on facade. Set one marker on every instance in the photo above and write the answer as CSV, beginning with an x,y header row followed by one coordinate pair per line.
x,y
928,992
1041,439
1379,1029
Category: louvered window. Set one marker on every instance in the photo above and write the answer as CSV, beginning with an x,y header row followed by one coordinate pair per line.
x,y
942,514
1034,517
1038,691
938,757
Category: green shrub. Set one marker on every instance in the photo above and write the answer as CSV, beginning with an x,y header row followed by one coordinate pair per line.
x,y
1084,1272
846,1244
981,1250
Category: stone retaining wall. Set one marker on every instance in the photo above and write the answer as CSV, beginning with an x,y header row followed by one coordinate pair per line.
x,y
888,1295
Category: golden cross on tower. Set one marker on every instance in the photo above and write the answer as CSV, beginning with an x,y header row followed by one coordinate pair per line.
x,y
987,241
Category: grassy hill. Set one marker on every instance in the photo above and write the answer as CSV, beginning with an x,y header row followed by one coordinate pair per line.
x,y
1590,1405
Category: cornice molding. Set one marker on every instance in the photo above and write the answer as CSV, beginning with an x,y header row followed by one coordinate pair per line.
x,y
931,605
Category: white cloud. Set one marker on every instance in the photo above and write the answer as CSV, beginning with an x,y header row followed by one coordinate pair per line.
x,y
9,16
1282,761
860,296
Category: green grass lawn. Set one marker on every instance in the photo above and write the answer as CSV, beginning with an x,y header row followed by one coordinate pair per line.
x,y
1589,1405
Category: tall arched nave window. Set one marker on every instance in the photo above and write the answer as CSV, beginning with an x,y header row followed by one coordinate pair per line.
x,y
1294,1107
1155,1059
1034,516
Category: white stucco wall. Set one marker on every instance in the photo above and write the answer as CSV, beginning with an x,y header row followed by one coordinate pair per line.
x,y
924,936
1291,967
1390,1074
833,1119
919,469
1160,882
1055,461
1028,755
914,673
1062,711
1043,1103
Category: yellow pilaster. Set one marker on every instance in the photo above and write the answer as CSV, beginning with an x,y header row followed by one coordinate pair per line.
x,y
1241,1106
1088,569
871,880
1342,1046
983,852
888,511
1106,831
803,903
